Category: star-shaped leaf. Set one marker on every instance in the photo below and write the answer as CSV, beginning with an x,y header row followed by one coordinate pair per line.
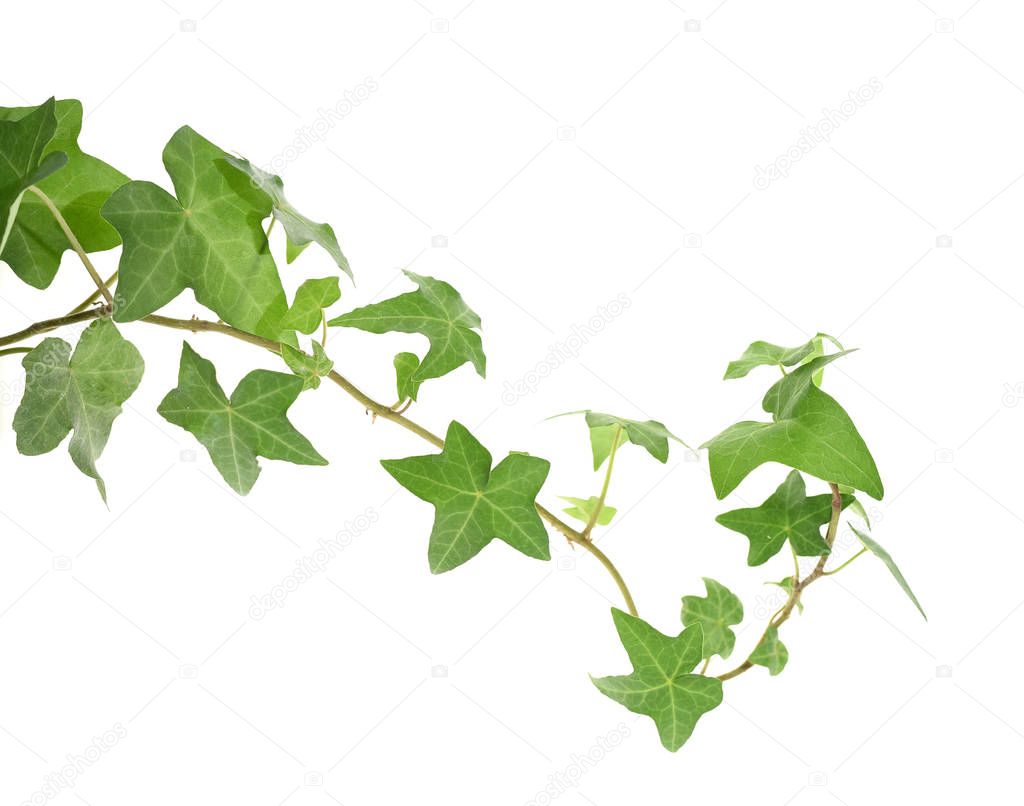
x,y
80,392
771,652
809,431
78,190
235,431
300,230
761,353
311,368
787,514
406,365
434,310
715,613
26,161
209,239
474,504
661,685
312,298
583,510
648,434
885,557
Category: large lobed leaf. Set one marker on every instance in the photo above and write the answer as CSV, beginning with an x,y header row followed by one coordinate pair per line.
x,y
809,431
79,190
435,310
208,238
661,684
235,431
81,392
474,504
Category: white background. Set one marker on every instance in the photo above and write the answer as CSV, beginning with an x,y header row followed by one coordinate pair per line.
x,y
569,152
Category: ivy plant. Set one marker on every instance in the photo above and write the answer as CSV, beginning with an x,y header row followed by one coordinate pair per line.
x,y
211,232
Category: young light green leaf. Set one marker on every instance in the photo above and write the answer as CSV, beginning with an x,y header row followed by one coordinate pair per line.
x,y
78,190
787,585
886,558
770,652
474,504
858,509
762,354
583,510
648,434
209,239
787,514
235,431
715,613
301,231
661,685
312,298
406,365
23,143
311,368
809,431
434,310
80,392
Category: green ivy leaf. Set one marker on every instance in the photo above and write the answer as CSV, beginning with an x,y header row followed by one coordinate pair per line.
x,y
886,558
764,354
252,423
312,298
208,239
583,510
661,685
715,613
80,392
648,434
23,143
474,504
434,310
809,431
301,231
79,190
311,368
771,652
406,365
787,514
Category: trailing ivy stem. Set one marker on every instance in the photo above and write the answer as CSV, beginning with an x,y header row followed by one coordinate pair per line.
x,y
798,585
73,240
376,408
839,568
95,295
15,350
592,521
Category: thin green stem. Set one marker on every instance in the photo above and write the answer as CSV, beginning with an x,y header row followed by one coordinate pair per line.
x,y
95,295
368,403
73,240
270,227
604,487
15,350
839,568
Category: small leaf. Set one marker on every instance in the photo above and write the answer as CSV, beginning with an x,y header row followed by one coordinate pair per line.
x,y
23,143
300,230
715,613
208,238
762,353
406,365
661,685
858,509
82,392
434,310
235,431
787,514
809,431
311,300
311,368
787,585
474,504
583,509
78,190
886,558
770,652
648,434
